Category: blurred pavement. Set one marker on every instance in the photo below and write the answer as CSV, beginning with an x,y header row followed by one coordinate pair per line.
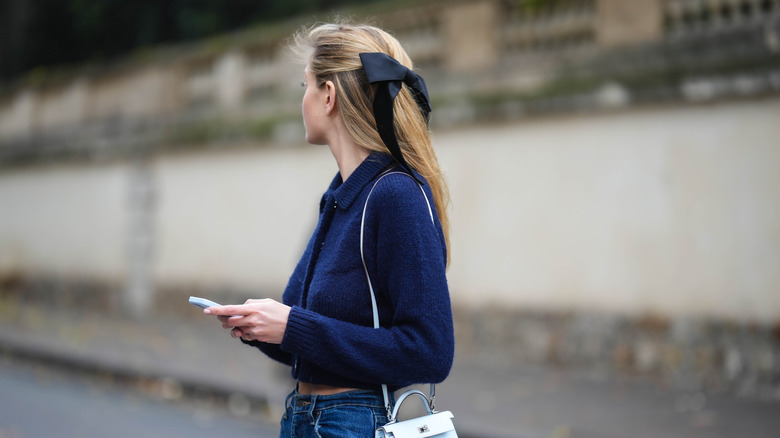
x,y
181,357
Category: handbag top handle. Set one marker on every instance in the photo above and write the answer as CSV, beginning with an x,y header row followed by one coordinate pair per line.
x,y
432,398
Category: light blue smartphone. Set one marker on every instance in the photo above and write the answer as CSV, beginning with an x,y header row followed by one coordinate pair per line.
x,y
202,302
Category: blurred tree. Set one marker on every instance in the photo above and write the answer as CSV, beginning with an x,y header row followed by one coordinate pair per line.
x,y
43,33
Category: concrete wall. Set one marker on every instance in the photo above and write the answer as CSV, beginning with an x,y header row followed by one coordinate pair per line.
x,y
64,220
668,211
240,218
671,211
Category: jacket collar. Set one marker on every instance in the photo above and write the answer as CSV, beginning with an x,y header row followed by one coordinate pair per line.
x,y
345,193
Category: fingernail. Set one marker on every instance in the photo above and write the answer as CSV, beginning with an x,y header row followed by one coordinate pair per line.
x,y
207,311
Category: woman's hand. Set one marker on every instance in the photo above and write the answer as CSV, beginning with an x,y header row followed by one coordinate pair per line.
x,y
256,320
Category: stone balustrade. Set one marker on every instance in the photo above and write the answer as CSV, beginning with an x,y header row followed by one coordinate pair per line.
x,y
466,48
686,17
533,31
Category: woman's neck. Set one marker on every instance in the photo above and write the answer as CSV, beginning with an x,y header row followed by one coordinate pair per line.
x,y
348,155
349,161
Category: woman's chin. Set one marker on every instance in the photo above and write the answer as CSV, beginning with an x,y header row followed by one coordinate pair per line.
x,y
315,141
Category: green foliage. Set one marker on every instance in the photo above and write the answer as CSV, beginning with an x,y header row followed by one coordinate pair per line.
x,y
537,5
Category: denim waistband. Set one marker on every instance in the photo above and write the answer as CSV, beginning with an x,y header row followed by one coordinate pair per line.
x,y
358,397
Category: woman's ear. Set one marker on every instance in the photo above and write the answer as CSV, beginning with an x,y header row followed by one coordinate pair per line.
x,y
330,97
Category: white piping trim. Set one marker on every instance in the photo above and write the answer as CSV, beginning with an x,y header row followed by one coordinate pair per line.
x,y
374,308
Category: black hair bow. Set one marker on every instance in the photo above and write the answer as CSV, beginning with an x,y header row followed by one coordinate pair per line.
x,y
389,75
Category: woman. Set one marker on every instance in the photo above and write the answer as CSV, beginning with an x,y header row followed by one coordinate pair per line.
x,y
363,100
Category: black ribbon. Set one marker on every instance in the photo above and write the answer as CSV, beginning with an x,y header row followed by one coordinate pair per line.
x,y
389,75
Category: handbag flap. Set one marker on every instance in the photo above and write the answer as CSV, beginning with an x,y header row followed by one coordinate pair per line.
x,y
422,427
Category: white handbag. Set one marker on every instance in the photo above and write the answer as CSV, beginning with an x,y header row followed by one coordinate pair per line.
x,y
434,424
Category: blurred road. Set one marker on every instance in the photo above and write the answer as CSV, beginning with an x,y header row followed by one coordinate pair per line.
x,y
544,402
491,397
40,402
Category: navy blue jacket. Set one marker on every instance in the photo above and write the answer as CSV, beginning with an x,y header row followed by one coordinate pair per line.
x,y
330,337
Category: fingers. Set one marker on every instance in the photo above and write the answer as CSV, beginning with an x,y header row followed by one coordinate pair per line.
x,y
237,321
234,310
227,321
238,333
229,310
262,320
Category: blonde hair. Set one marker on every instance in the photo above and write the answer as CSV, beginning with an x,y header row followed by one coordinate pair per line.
x,y
331,52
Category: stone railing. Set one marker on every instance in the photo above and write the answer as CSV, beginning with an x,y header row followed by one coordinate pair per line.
x,y
557,28
695,17
511,49
420,30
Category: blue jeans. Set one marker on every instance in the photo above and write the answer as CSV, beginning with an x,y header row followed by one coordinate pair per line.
x,y
351,414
